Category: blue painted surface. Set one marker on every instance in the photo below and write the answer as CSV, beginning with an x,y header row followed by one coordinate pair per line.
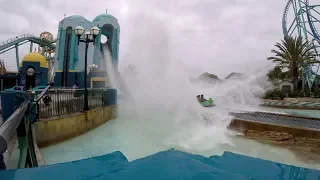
x,y
10,102
77,51
170,164
101,16
111,97
41,75
7,103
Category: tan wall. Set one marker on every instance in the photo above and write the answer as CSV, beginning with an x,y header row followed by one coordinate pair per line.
x,y
50,131
243,125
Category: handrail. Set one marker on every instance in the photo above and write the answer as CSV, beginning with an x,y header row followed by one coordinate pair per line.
x,y
17,37
25,37
22,36
72,89
44,91
10,126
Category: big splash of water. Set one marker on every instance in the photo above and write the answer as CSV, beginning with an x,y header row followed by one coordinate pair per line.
x,y
111,72
163,99
185,122
160,110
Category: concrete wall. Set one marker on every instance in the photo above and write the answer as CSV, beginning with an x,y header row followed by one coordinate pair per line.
x,y
244,125
51,131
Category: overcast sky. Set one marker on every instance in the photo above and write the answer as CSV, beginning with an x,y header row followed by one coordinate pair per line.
x,y
218,36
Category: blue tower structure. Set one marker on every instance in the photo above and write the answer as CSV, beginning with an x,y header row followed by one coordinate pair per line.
x,y
109,28
70,57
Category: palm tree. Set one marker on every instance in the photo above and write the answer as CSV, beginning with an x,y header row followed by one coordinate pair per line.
x,y
294,53
131,70
277,74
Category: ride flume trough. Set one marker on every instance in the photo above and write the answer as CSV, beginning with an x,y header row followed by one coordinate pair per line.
x,y
305,19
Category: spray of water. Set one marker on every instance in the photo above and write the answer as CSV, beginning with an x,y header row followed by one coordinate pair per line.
x,y
111,73
160,110
185,123
163,99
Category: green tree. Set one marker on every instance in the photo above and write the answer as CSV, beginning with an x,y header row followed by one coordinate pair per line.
x,y
277,74
131,70
293,53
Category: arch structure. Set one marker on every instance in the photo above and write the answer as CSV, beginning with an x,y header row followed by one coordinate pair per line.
x,y
302,19
70,56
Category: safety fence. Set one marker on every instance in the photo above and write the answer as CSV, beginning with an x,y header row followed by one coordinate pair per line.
x,y
59,102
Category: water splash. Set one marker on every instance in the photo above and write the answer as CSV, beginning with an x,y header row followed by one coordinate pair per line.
x,y
163,99
184,123
163,112
111,72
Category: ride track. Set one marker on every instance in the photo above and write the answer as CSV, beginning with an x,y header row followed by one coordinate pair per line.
x,y
20,40
304,23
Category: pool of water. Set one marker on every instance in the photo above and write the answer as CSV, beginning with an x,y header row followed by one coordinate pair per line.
x,y
139,133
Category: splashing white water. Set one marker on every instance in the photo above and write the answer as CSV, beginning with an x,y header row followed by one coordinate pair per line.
x,y
162,89
163,112
189,126
111,72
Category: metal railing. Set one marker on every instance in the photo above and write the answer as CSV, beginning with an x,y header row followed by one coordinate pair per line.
x,y
25,36
9,127
19,124
67,101
17,37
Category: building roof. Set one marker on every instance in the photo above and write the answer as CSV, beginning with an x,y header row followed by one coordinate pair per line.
x,y
97,18
35,57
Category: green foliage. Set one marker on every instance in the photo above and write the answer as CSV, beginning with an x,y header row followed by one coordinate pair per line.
x,y
293,53
296,94
131,70
277,74
274,94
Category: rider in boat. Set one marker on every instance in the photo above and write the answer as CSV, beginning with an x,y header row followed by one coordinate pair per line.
x,y
198,98
202,98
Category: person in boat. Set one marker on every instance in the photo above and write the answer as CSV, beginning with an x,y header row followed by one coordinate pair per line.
x,y
202,98
198,98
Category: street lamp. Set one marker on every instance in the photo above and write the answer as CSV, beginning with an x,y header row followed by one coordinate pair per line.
x,y
3,72
93,67
89,37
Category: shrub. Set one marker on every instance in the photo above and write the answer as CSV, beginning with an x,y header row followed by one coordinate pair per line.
x,y
275,94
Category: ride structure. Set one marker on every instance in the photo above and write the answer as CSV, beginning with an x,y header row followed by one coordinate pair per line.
x,y
302,19
64,56
70,57
46,44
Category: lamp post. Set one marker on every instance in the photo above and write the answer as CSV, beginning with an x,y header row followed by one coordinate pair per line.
x,y
89,37
93,67
3,72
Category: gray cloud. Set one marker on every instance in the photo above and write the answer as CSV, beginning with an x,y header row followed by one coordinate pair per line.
x,y
204,35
